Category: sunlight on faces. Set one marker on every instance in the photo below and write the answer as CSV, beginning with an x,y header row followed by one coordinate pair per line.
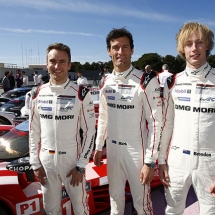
x,y
58,65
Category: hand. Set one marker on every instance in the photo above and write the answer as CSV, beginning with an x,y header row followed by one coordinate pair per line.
x,y
164,176
146,175
212,190
97,158
77,177
41,175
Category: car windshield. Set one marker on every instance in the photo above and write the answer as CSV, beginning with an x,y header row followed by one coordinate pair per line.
x,y
17,101
15,93
15,143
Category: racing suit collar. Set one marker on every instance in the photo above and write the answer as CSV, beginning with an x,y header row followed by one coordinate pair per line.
x,y
125,74
60,86
202,71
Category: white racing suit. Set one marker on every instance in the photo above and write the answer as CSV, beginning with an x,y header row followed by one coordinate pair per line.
x,y
57,114
189,122
127,103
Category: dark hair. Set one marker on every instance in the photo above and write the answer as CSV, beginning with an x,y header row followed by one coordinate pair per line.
x,y
117,33
60,47
6,73
106,67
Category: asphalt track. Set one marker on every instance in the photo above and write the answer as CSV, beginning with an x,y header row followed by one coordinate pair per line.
x,y
159,203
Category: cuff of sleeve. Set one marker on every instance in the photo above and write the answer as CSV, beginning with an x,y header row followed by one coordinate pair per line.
x,y
35,166
150,160
99,148
161,161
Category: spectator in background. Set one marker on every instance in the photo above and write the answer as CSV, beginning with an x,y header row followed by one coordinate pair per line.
x,y
163,76
40,81
11,80
36,79
106,73
24,79
18,78
148,69
81,79
6,82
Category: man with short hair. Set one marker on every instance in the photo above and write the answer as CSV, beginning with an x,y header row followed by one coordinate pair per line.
x,y
163,76
18,78
148,69
129,99
6,82
58,110
81,79
105,73
11,80
187,148
36,79
24,79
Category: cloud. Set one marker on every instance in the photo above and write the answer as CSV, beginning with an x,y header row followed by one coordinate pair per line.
x,y
96,7
18,30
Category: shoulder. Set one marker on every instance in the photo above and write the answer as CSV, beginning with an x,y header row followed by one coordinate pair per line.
x,y
171,80
146,78
82,92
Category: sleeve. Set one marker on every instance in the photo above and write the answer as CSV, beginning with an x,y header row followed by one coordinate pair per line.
x,y
102,122
34,134
88,122
86,81
153,112
168,123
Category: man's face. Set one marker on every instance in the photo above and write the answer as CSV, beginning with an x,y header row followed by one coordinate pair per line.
x,y
120,52
195,51
58,65
79,74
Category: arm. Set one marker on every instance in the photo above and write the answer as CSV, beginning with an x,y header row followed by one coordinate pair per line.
x,y
34,135
34,141
88,122
153,112
168,123
87,118
101,132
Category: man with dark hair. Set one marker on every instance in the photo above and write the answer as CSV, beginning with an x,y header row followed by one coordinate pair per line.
x,y
187,149
6,82
81,79
105,73
11,80
59,109
129,99
18,78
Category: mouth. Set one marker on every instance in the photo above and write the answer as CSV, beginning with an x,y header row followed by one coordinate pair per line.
x,y
195,56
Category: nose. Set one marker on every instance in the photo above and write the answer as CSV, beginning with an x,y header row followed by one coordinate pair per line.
x,y
57,64
120,50
194,46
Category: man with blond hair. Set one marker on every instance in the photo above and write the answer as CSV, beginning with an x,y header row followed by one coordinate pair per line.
x,y
187,148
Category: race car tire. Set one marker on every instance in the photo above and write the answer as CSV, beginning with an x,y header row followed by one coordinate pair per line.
x,y
2,211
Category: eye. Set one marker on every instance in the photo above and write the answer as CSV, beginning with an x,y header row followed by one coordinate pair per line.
x,y
188,44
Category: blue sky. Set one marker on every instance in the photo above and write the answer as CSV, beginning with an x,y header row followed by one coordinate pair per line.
x,y
27,27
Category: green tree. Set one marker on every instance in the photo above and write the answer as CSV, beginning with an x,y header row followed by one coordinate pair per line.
x,y
152,59
211,60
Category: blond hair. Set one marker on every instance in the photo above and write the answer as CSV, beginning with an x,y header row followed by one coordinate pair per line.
x,y
205,34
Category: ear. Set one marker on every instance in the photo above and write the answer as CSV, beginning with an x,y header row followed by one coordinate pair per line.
x,y
132,51
70,65
108,51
